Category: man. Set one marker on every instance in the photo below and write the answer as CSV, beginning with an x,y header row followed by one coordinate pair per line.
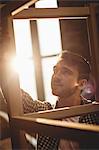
x,y
71,74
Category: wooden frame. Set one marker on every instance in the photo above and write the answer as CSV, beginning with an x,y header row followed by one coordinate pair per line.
x,y
56,128
61,12
93,40
37,60
65,112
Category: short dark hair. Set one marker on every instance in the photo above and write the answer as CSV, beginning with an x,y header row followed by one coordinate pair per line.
x,y
77,60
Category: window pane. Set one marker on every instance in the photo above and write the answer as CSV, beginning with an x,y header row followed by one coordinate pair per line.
x,y
49,36
47,65
22,37
25,65
46,4
27,77
50,44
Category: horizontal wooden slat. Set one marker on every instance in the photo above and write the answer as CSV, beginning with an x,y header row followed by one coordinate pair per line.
x,y
56,128
34,13
66,111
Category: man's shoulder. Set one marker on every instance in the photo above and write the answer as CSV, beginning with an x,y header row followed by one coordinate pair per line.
x,y
90,118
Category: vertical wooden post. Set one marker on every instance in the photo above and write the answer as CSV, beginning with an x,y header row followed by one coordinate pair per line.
x,y
37,60
94,47
9,79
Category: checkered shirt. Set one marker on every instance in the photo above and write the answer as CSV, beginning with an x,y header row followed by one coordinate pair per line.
x,y
45,142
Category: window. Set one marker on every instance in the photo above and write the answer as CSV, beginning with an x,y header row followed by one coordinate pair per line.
x,y
25,65
50,46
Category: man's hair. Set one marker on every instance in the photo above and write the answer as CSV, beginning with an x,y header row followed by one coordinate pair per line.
x,y
80,62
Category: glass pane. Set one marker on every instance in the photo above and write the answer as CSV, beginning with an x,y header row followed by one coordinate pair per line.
x,y
46,4
27,77
47,65
22,37
50,44
24,63
49,36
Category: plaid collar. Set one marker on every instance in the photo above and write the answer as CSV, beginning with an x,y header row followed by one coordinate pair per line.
x,y
83,101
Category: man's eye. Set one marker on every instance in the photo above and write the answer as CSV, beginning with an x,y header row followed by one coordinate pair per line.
x,y
66,71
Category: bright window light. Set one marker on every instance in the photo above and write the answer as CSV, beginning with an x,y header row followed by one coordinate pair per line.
x,y
22,38
46,4
49,36
48,30
24,61
50,45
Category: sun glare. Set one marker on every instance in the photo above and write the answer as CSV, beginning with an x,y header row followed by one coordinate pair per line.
x,y
25,70
15,64
19,64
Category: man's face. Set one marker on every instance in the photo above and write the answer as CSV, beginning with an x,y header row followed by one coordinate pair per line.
x,y
64,79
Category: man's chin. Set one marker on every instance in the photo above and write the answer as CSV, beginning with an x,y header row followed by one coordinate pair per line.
x,y
55,93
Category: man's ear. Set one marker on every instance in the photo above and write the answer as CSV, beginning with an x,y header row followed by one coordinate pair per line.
x,y
82,84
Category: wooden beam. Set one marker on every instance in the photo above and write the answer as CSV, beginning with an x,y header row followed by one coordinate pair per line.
x,y
37,60
66,112
58,129
31,2
94,46
8,77
13,5
34,13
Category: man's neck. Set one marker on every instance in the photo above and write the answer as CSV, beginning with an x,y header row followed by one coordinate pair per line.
x,y
69,101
